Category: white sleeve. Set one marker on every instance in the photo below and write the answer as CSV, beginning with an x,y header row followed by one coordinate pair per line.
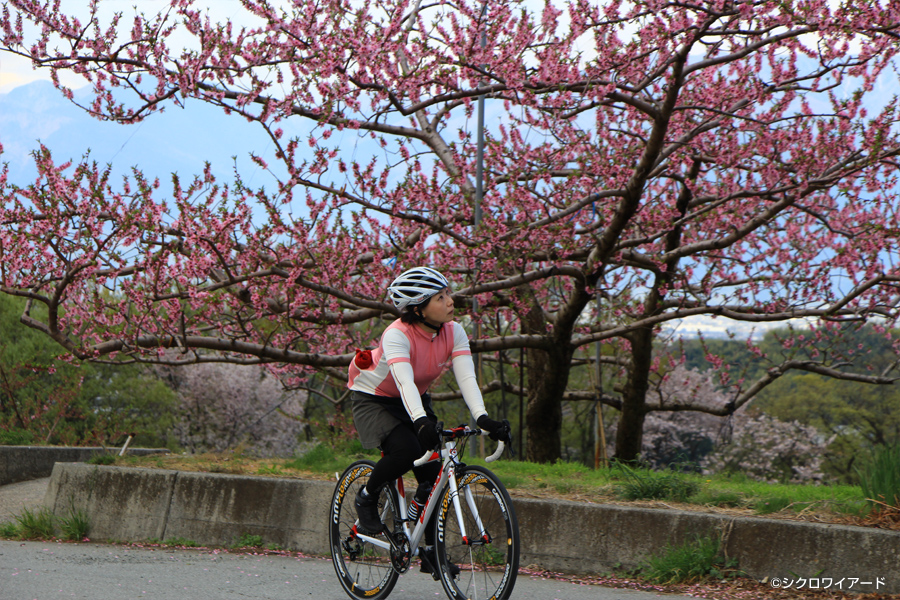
x,y
464,370
396,348
395,345
405,379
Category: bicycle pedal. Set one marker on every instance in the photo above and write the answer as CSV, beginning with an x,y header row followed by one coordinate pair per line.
x,y
429,566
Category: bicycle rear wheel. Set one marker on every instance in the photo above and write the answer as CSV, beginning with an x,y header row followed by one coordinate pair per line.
x,y
363,569
488,556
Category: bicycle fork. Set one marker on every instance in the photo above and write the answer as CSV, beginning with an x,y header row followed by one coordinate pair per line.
x,y
484,537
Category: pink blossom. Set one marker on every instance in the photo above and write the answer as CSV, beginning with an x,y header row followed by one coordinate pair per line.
x,y
711,163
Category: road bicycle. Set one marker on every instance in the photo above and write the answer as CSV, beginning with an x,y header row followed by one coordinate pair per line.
x,y
475,530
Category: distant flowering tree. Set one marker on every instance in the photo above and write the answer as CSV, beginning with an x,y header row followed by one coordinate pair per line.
x,y
768,449
759,446
224,406
644,162
680,439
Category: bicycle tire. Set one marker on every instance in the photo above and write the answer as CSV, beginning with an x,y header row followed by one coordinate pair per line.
x,y
364,570
488,566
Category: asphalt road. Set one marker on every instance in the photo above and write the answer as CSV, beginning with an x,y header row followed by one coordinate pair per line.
x,y
54,571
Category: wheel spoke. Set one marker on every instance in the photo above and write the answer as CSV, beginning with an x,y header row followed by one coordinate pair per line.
x,y
363,569
488,563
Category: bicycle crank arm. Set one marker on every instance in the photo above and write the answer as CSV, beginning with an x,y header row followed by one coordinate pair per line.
x,y
379,541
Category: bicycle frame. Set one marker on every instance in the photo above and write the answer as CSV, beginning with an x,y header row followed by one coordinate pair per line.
x,y
450,462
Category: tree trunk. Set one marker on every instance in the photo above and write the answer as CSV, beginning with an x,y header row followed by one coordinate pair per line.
x,y
630,430
548,374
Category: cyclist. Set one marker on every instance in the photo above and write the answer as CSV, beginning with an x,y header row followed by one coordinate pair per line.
x,y
391,407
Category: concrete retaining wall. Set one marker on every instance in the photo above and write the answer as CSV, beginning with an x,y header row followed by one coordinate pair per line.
x,y
21,463
213,509
577,537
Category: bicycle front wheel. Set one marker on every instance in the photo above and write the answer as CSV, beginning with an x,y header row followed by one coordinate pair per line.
x,y
486,547
364,569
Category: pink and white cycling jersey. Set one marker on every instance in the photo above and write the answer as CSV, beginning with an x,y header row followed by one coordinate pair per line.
x,y
428,355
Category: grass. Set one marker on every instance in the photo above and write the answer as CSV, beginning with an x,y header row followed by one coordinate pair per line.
x,y
643,484
565,480
43,524
248,541
324,459
512,482
36,525
719,498
635,484
270,470
9,530
880,479
75,526
102,459
692,561
771,504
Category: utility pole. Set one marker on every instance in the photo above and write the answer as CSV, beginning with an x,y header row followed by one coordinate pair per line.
x,y
479,195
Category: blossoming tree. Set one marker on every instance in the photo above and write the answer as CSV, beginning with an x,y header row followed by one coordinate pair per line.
x,y
644,162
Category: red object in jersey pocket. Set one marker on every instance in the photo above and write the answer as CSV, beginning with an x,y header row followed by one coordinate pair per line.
x,y
363,359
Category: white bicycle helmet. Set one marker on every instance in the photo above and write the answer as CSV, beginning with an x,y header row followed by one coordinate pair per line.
x,y
416,286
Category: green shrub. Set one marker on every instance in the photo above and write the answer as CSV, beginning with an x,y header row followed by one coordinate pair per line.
x,y
879,478
16,437
493,556
691,561
644,484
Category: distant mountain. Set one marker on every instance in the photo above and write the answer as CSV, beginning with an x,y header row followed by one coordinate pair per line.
x,y
720,328
177,140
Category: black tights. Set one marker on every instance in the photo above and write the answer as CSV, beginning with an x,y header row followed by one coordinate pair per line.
x,y
401,447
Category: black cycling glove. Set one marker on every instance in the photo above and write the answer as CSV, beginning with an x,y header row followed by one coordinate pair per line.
x,y
427,432
497,430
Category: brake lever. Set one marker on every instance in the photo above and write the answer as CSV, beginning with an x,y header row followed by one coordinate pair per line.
x,y
509,444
